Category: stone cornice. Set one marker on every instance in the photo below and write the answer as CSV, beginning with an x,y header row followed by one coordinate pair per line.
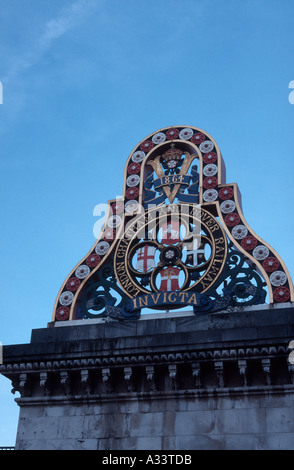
x,y
244,351
195,372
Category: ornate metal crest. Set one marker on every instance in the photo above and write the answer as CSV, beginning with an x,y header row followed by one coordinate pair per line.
x,y
177,238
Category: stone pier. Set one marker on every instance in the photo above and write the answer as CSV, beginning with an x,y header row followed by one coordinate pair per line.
x,y
178,382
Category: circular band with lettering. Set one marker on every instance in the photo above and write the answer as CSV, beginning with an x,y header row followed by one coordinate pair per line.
x,y
135,233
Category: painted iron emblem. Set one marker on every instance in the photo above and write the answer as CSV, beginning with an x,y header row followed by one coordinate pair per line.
x,y
177,238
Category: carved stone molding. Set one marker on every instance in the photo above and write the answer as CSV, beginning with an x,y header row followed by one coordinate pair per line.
x,y
193,370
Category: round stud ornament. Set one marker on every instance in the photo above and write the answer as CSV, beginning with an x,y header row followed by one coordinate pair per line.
x,y
210,157
93,260
210,182
117,208
239,232
73,284
227,207
138,156
158,138
232,219
172,134
210,195
114,221
210,170
66,298
226,193
206,146
134,168
260,252
271,264
132,193
170,254
198,138
249,243
109,234
281,294
278,278
133,180
62,313
186,134
172,163
131,206
102,248
147,146
82,271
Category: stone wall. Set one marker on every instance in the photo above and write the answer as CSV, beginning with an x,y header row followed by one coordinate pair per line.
x,y
248,422
219,381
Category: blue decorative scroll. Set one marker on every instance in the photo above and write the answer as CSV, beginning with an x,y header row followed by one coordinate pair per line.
x,y
200,303
188,190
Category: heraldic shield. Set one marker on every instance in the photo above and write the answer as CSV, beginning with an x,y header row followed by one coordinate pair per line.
x,y
177,238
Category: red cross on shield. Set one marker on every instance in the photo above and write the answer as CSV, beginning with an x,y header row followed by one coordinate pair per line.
x,y
171,232
169,279
145,258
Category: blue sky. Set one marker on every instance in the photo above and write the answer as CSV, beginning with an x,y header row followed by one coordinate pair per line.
x,y
84,81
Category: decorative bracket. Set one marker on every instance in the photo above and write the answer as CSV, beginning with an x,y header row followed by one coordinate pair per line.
x,y
177,237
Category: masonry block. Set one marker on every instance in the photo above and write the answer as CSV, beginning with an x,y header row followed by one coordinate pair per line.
x,y
157,384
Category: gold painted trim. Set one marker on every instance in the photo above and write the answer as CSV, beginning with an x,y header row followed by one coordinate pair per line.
x,y
155,164
220,161
126,249
221,175
104,259
72,307
251,232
